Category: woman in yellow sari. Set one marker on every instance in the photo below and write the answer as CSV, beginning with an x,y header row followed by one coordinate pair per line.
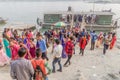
x,y
99,40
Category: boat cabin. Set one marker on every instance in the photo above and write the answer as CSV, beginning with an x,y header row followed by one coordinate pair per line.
x,y
97,20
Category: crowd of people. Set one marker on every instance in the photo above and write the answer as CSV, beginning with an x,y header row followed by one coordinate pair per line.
x,y
28,53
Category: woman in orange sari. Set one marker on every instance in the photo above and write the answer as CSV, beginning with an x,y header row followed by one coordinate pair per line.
x,y
113,41
82,44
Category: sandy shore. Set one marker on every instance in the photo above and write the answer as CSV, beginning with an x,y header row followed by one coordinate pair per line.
x,y
92,66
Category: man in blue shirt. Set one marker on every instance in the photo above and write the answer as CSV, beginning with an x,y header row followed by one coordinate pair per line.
x,y
41,44
93,39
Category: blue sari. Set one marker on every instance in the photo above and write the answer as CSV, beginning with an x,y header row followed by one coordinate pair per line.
x,y
63,51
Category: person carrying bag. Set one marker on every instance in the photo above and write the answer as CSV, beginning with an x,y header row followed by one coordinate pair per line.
x,y
39,67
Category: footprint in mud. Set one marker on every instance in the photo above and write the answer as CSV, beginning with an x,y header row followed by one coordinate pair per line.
x,y
113,77
110,77
80,76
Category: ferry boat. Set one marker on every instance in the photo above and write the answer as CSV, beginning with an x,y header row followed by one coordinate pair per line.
x,y
2,21
95,20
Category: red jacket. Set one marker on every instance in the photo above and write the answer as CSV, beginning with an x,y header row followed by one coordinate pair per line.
x,y
69,47
82,43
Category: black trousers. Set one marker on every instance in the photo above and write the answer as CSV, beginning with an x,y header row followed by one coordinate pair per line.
x,y
81,51
68,60
44,56
105,48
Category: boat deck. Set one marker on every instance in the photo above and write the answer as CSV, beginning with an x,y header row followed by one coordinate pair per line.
x,y
99,27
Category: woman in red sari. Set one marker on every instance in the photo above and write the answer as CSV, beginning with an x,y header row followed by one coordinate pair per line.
x,y
113,41
82,44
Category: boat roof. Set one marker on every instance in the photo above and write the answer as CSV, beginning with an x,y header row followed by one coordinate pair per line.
x,y
81,13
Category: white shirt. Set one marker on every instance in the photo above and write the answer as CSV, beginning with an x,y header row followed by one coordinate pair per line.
x,y
58,51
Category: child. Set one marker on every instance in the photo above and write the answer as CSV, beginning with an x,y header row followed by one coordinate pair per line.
x,y
39,67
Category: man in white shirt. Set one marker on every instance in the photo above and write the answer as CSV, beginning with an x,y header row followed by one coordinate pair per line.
x,y
57,52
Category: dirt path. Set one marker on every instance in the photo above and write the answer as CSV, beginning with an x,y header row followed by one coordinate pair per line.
x,y
92,66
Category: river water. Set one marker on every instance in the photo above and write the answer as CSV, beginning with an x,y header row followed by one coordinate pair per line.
x,y
27,12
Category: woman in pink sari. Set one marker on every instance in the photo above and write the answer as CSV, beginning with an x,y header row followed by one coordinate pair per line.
x,y
14,49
